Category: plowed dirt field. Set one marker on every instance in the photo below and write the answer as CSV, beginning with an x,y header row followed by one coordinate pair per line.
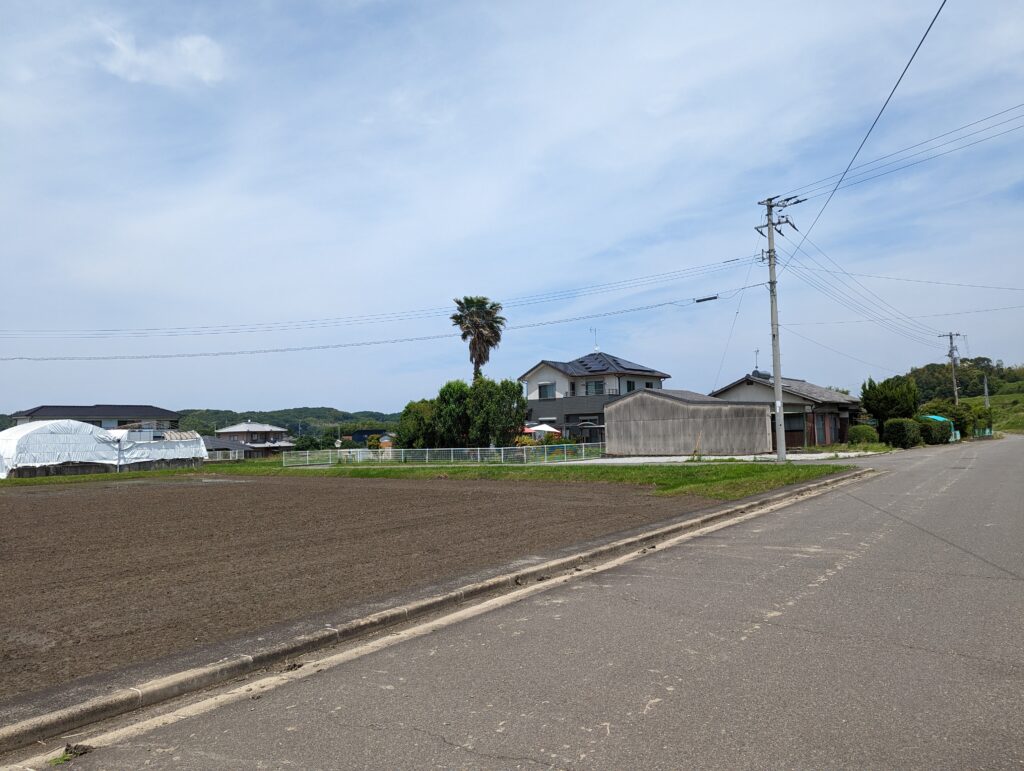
x,y
97,576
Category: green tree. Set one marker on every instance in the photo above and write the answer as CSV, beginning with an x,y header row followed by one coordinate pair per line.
x,y
895,397
497,412
480,322
451,415
416,426
309,442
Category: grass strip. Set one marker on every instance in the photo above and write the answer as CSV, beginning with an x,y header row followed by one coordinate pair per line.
x,y
726,481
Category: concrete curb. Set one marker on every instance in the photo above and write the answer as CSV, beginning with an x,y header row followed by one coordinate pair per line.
x,y
46,726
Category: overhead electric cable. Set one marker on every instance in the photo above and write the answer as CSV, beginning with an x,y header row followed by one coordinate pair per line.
x,y
875,121
922,160
842,353
883,320
331,346
925,281
926,316
870,296
817,184
423,313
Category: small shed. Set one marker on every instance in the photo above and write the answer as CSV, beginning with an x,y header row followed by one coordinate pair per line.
x,y
672,422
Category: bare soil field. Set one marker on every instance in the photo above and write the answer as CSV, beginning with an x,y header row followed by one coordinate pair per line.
x,y
97,576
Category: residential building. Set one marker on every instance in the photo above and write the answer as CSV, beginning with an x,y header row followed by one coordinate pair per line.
x,y
104,415
571,395
812,414
261,439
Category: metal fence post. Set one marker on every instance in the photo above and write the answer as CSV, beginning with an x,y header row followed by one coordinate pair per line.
x,y
502,454
545,453
452,460
565,452
477,454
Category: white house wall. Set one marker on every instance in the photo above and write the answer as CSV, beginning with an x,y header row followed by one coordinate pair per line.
x,y
546,374
757,392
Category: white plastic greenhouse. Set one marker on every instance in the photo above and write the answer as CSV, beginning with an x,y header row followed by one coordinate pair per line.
x,y
59,442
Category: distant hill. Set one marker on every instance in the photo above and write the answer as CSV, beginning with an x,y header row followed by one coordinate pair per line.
x,y
299,421
1007,411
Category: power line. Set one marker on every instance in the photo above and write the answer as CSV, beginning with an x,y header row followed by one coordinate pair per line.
x,y
817,184
851,301
732,329
842,353
890,324
922,160
423,313
926,316
874,122
726,294
923,280
862,290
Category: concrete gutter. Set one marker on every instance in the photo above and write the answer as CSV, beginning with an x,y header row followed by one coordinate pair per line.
x,y
151,692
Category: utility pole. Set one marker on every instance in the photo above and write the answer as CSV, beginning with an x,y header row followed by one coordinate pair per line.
x,y
770,227
952,363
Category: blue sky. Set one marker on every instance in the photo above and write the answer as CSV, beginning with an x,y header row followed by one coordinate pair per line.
x,y
194,165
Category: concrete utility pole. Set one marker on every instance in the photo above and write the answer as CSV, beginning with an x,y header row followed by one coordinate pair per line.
x,y
952,362
771,225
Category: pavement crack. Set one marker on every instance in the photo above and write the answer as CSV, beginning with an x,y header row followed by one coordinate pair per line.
x,y
475,752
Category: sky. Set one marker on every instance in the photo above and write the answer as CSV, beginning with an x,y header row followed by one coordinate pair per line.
x,y
185,178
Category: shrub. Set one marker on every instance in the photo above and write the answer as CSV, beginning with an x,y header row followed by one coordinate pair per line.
x,y
934,431
862,434
902,432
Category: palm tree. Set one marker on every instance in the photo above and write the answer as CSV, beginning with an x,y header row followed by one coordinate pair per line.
x,y
481,325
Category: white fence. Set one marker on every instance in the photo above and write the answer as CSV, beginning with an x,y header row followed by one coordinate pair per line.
x,y
548,453
218,455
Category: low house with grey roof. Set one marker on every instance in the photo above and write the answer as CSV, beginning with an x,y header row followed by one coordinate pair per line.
x,y
571,395
261,439
813,415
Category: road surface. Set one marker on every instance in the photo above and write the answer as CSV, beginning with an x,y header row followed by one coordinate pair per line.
x,y
877,626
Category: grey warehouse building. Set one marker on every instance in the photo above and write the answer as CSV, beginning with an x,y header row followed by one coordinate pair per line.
x,y
670,422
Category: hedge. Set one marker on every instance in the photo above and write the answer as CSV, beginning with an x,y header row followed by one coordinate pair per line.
x,y
862,434
934,431
902,432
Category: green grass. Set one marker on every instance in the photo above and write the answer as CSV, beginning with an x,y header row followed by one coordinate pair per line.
x,y
864,447
1007,411
727,481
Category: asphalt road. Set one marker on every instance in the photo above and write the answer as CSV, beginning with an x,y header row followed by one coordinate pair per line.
x,y
877,626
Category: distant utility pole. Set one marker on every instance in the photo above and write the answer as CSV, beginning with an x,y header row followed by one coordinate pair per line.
x,y
770,227
952,362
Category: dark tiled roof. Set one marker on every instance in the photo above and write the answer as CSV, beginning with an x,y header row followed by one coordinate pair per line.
x,y
97,411
796,387
599,364
217,443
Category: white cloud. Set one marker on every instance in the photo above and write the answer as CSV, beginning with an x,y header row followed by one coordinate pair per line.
x,y
176,62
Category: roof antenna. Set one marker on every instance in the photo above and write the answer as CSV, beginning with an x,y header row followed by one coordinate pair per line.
x,y
756,352
597,348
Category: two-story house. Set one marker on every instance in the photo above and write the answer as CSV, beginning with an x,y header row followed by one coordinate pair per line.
x,y
107,416
571,395
260,439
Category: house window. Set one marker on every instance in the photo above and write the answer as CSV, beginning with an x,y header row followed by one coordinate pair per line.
x,y
546,391
595,387
630,386
256,438
793,421
649,384
572,388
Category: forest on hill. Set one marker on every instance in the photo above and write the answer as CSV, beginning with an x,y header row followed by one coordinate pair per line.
x,y
300,421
